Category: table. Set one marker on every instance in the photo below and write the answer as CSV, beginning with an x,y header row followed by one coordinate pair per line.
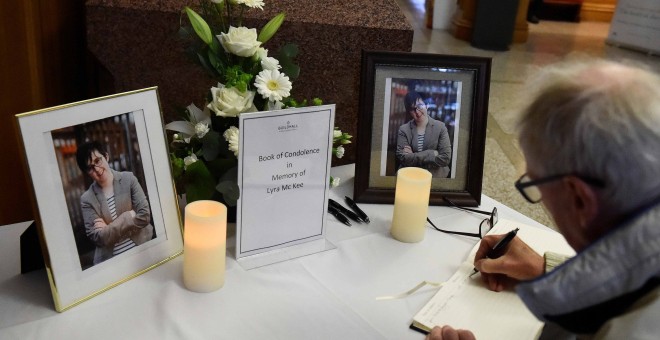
x,y
327,295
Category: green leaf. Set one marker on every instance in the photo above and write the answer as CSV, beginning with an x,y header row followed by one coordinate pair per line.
x,y
211,145
289,50
184,33
220,166
217,64
206,64
228,187
286,55
230,192
236,77
177,166
200,184
217,48
199,25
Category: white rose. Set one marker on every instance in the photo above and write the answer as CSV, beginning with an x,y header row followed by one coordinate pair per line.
x,y
231,136
230,102
241,41
189,160
201,129
336,133
340,151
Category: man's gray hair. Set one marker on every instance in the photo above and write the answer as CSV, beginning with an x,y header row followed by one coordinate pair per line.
x,y
599,119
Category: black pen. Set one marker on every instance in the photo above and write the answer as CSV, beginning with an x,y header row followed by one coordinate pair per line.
x,y
500,247
339,215
353,216
357,209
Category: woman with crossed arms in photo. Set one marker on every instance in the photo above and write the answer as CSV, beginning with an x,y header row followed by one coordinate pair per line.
x,y
423,142
115,210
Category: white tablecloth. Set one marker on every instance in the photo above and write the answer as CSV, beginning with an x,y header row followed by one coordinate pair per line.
x,y
327,295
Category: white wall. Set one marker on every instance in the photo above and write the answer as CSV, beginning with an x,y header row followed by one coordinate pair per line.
x,y
443,11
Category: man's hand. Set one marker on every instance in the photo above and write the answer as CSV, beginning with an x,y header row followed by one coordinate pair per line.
x,y
448,333
519,262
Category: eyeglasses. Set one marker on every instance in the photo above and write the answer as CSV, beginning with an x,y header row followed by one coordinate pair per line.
x,y
528,187
96,163
485,225
416,106
492,213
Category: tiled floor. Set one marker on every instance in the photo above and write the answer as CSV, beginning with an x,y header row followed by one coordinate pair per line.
x,y
548,42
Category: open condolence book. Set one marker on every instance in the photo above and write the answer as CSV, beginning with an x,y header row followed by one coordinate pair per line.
x,y
465,302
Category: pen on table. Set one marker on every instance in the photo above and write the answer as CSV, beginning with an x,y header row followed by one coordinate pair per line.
x,y
357,209
500,247
353,216
339,215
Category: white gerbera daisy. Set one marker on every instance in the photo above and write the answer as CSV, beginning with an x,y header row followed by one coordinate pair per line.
x,y
273,85
252,3
231,136
270,63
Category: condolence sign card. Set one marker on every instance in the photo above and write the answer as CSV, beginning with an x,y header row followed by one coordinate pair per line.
x,y
283,174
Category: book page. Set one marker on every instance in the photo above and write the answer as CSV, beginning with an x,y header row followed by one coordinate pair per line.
x,y
465,302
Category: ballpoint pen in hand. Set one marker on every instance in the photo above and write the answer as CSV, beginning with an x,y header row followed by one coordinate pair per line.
x,y
357,209
353,216
500,247
336,213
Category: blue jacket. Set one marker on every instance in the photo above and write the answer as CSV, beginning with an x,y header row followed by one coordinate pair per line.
x,y
610,290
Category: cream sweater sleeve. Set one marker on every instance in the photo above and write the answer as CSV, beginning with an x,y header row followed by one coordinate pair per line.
x,y
553,260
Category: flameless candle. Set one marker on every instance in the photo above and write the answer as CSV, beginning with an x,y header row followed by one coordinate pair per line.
x,y
411,204
204,246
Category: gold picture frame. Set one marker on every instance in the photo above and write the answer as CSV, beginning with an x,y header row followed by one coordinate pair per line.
x,y
91,244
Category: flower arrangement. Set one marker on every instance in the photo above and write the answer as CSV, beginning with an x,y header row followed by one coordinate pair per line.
x,y
204,144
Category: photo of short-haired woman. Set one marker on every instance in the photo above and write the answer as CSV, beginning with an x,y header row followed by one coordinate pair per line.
x,y
423,141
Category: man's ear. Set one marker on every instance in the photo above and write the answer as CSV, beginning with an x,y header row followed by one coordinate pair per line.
x,y
584,202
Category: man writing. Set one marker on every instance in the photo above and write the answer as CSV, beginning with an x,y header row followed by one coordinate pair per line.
x,y
590,136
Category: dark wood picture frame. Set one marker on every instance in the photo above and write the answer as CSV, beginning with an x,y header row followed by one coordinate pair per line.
x,y
468,77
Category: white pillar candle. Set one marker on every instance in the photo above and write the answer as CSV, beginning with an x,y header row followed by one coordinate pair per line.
x,y
411,204
204,246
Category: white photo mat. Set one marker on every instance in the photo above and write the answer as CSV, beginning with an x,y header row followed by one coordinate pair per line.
x,y
70,284
283,175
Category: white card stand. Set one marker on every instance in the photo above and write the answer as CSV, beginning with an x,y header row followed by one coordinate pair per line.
x,y
283,171
284,254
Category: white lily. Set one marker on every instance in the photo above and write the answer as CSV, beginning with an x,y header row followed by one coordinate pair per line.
x,y
188,129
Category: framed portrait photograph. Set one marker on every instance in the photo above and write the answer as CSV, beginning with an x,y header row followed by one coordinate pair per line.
x,y
105,202
422,110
